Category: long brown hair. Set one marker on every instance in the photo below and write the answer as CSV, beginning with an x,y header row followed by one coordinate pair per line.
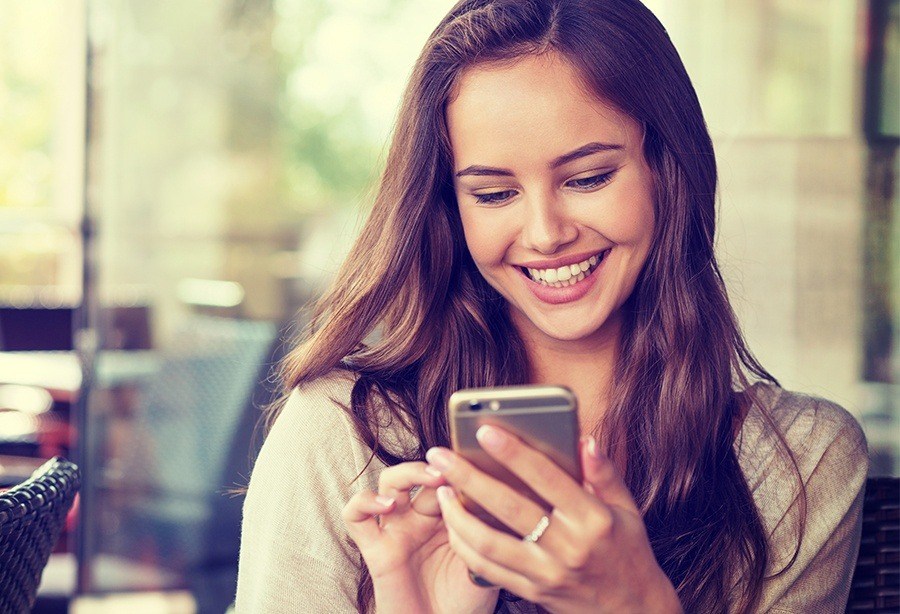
x,y
412,318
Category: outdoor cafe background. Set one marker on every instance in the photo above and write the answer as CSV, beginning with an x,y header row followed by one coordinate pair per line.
x,y
177,179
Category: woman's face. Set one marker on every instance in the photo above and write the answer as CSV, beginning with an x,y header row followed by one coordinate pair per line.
x,y
554,193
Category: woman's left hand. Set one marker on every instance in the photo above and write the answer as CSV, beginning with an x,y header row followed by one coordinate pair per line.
x,y
593,557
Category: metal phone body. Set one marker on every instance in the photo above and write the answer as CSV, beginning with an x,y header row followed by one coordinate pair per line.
x,y
545,417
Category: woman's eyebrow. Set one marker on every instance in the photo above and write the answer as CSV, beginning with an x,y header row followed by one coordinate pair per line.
x,y
584,150
581,152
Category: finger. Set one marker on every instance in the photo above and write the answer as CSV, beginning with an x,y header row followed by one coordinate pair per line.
x,y
503,502
397,481
479,557
547,568
603,478
495,574
535,469
359,516
583,454
425,502
526,559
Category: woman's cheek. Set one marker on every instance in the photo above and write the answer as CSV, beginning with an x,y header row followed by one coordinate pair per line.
x,y
487,238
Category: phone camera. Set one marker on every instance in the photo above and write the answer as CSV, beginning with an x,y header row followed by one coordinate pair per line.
x,y
475,405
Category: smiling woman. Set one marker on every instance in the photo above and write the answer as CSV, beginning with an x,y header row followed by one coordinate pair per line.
x,y
546,216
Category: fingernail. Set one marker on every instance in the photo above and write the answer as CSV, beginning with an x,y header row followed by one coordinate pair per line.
x,y
445,493
439,458
593,449
489,437
432,471
385,501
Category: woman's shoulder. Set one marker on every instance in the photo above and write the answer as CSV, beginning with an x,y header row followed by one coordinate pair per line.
x,y
313,434
809,424
320,402
317,419
824,440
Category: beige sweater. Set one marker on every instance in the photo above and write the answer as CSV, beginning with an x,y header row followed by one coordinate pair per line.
x,y
296,556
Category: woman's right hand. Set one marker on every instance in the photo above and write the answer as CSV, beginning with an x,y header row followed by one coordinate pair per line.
x,y
408,552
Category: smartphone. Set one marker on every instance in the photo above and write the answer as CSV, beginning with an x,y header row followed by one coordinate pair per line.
x,y
544,417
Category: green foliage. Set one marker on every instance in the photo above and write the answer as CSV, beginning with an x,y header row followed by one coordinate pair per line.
x,y
344,65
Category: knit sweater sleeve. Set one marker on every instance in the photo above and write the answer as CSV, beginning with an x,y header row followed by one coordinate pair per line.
x,y
295,553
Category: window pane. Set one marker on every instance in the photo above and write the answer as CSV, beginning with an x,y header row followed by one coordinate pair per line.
x,y
42,72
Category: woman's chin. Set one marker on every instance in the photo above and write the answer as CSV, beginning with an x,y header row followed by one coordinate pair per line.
x,y
571,334
574,322
569,329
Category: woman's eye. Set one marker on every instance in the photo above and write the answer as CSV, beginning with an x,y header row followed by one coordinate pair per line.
x,y
494,197
594,181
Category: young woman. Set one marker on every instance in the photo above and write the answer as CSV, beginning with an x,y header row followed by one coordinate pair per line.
x,y
546,216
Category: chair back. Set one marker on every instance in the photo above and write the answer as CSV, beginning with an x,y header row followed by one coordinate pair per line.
x,y
188,412
167,474
876,579
32,515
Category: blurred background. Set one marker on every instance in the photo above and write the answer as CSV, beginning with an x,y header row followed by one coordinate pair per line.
x,y
178,179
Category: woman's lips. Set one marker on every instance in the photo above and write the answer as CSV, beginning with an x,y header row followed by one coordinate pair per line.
x,y
567,294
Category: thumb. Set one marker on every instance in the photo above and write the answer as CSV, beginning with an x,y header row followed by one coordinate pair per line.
x,y
602,478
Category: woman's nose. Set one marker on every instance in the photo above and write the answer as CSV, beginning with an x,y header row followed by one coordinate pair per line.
x,y
546,226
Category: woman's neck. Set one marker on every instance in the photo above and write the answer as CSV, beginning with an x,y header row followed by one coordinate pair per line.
x,y
586,366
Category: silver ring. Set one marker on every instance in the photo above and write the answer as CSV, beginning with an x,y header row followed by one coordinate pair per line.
x,y
538,530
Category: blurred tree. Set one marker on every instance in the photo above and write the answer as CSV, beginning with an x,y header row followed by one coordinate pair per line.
x,y
344,65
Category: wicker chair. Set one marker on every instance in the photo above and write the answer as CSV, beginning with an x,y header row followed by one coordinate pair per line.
x,y
876,579
32,515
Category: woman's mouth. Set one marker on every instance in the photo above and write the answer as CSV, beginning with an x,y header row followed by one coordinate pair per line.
x,y
568,275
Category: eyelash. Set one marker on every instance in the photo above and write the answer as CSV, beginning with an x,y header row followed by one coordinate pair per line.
x,y
594,181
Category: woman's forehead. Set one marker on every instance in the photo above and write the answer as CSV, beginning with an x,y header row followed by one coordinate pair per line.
x,y
536,105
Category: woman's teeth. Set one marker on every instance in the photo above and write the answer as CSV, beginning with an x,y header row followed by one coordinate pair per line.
x,y
567,275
